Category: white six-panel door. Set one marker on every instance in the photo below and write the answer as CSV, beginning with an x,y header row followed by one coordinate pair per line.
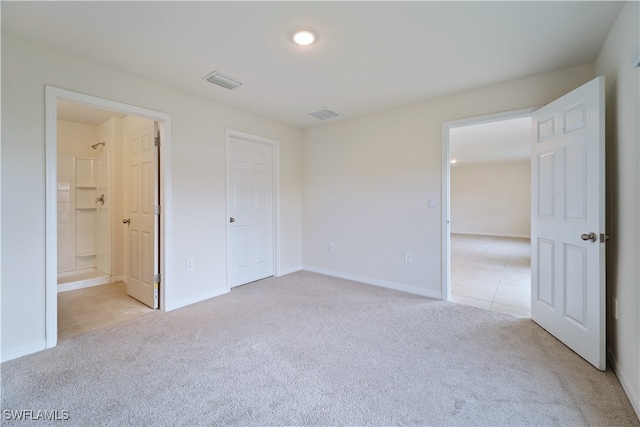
x,y
568,220
250,208
142,192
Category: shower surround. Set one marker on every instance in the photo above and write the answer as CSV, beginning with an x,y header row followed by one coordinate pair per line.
x,y
85,203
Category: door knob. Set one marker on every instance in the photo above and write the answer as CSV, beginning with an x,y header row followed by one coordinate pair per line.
x,y
126,221
232,219
591,236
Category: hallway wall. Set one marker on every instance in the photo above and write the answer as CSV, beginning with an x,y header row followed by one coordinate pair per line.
x,y
622,86
491,199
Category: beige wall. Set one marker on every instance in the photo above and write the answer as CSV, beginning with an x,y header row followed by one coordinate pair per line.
x,y
198,182
367,182
111,133
75,139
623,200
491,199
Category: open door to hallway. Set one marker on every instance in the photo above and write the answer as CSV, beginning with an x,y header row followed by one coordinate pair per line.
x,y
568,235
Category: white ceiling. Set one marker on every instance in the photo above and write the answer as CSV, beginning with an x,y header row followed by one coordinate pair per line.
x,y
370,56
492,142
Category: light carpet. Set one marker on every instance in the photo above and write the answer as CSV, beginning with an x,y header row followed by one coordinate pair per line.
x,y
307,349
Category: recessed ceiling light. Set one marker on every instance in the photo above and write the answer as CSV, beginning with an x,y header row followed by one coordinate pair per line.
x,y
304,37
453,161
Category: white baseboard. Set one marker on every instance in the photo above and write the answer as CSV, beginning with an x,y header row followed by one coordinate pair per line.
x,y
23,351
635,402
376,282
475,233
81,284
286,271
188,301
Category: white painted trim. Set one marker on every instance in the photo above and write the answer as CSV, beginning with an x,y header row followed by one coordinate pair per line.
x,y
636,60
52,95
284,272
276,195
24,351
445,256
626,386
376,282
446,177
193,300
51,235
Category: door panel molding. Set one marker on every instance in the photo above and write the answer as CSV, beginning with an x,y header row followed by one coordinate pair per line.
x,y
141,195
578,269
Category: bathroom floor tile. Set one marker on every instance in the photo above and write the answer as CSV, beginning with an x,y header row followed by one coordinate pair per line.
x,y
92,308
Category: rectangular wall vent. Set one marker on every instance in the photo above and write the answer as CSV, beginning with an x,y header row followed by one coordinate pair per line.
x,y
223,80
325,114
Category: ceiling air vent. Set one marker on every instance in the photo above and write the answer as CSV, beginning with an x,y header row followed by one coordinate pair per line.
x,y
325,114
223,80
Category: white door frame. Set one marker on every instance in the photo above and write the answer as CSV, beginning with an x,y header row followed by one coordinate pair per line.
x,y
52,95
446,187
276,195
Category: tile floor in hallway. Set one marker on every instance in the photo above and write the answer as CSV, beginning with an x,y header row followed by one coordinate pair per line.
x,y
493,273
88,309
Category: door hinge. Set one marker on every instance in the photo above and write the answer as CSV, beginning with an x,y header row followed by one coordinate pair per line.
x,y
157,210
604,237
156,141
157,278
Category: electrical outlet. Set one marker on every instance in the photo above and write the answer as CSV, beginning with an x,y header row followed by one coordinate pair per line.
x,y
615,308
332,247
408,257
190,264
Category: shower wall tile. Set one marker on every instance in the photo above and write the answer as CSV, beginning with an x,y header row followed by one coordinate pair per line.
x,y
66,236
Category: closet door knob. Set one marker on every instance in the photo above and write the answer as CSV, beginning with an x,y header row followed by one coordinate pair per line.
x,y
126,221
232,219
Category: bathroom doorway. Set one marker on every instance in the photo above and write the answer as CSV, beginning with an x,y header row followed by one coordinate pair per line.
x,y
91,205
92,200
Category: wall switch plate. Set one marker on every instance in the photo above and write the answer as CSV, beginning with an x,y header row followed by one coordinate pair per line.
x,y
408,257
432,202
332,247
190,264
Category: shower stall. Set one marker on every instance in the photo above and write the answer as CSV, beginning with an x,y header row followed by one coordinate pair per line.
x,y
84,205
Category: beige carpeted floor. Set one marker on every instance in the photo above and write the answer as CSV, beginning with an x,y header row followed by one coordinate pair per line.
x,y
307,349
